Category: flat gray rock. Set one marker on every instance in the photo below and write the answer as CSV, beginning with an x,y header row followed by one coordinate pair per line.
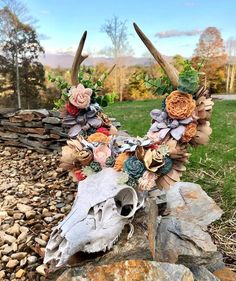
x,y
188,201
8,135
183,242
43,112
52,120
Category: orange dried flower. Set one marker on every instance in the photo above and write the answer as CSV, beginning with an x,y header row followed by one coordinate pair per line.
x,y
120,161
190,132
180,105
98,137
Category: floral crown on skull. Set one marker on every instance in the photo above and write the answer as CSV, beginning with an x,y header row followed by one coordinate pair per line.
x,y
117,172
157,159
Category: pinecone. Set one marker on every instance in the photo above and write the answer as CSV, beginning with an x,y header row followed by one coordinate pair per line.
x,y
96,166
110,161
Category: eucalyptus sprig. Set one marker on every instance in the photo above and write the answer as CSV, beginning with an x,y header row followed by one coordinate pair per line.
x,y
188,79
64,88
159,86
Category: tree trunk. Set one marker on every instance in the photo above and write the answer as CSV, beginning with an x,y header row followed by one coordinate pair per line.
x,y
228,78
18,81
231,86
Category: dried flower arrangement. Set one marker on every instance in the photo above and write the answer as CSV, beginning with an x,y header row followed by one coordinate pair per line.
x,y
114,169
157,159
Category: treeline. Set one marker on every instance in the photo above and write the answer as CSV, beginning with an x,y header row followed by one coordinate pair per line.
x,y
24,80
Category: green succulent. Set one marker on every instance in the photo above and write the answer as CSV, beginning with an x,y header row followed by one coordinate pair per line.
x,y
110,161
95,166
132,182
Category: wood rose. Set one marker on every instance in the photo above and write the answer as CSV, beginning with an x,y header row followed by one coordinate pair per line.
x,y
190,132
179,105
80,96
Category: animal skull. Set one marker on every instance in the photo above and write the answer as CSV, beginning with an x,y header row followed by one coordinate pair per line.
x,y
101,210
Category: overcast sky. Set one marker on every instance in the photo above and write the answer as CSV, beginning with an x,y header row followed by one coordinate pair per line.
x,y
173,25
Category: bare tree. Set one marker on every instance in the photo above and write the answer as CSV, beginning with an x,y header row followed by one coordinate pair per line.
x,y
19,9
116,30
231,65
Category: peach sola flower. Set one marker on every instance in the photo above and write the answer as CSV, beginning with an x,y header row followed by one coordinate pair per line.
x,y
120,160
98,137
80,96
147,181
190,132
179,105
101,153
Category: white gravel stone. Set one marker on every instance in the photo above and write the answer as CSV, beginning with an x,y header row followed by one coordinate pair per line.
x,y
41,269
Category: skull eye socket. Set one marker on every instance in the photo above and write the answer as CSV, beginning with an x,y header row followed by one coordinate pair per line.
x,y
125,202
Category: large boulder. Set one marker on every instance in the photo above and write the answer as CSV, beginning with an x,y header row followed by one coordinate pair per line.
x,y
189,202
183,242
181,235
136,270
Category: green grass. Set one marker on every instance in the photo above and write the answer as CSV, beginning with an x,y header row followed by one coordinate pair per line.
x,y
212,166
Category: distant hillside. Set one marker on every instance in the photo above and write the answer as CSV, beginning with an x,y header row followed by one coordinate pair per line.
x,y
65,60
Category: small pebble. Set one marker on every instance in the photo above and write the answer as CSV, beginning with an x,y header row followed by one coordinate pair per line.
x,y
41,269
12,263
40,241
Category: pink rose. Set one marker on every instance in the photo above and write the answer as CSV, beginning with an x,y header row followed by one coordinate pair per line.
x,y
101,153
80,96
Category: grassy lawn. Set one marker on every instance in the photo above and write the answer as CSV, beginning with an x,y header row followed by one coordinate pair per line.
x,y
212,166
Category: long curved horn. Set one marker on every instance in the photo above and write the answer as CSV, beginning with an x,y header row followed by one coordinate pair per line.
x,y
170,71
79,58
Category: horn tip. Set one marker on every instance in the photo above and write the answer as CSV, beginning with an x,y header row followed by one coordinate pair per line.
x,y
84,35
135,25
